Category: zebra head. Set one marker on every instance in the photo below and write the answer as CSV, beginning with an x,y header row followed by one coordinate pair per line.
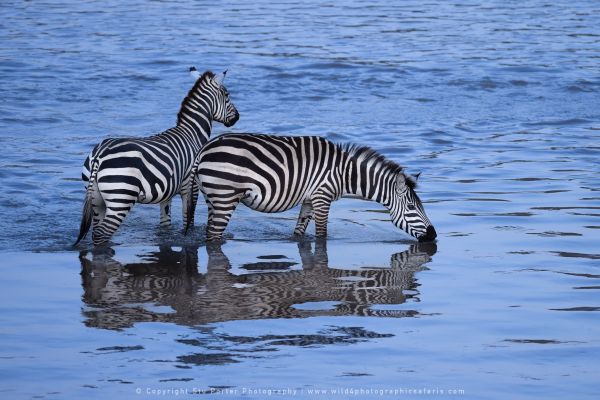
x,y
223,109
407,210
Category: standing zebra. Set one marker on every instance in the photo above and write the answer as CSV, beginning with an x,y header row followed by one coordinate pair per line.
x,y
121,172
275,173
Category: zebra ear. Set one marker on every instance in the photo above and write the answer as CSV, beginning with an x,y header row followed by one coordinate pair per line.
x,y
220,78
194,73
417,175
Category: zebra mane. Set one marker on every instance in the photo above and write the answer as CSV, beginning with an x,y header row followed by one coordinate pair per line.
x,y
199,82
366,153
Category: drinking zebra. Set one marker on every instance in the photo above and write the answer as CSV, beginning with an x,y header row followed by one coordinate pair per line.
x,y
120,172
275,173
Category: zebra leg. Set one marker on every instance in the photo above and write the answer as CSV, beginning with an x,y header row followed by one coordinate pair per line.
x,y
209,218
115,214
184,199
321,213
165,213
218,218
195,192
306,214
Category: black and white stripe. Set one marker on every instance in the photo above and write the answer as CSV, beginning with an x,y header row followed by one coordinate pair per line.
x,y
275,173
120,172
116,293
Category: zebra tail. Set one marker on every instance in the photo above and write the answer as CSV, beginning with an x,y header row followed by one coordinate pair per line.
x,y
189,205
88,212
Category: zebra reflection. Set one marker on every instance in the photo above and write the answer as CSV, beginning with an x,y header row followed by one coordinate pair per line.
x,y
166,286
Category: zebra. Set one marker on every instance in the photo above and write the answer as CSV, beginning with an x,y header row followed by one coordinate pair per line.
x,y
276,173
122,171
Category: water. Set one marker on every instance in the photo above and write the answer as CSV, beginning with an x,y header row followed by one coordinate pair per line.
x,y
496,104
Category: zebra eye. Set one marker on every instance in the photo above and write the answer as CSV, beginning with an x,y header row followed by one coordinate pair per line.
x,y
411,206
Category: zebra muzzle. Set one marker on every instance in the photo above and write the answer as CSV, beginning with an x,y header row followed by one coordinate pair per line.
x,y
429,236
232,121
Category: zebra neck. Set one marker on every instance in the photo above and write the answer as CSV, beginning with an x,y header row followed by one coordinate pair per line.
x,y
364,180
195,117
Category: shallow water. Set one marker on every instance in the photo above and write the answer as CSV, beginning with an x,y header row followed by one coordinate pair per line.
x,y
496,104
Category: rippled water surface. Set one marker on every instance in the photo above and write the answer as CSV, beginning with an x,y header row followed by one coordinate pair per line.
x,y
496,103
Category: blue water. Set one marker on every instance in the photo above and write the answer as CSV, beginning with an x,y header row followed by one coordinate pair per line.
x,y
496,103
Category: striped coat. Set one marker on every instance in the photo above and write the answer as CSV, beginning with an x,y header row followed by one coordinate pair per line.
x,y
124,171
276,173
